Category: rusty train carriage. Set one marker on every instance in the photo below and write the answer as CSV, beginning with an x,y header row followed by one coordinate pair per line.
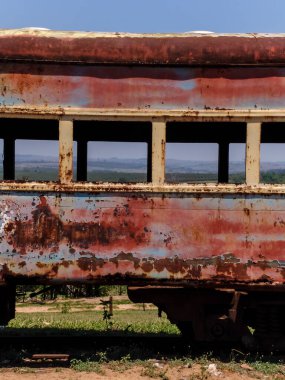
x,y
212,256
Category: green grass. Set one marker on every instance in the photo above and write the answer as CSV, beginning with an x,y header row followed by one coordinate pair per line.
x,y
120,361
128,321
268,368
87,366
125,356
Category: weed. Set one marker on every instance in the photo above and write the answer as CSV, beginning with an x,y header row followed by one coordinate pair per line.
x,y
128,329
86,366
205,359
125,362
121,365
163,375
186,362
268,368
125,359
153,372
149,371
102,357
204,374
24,370
107,314
65,308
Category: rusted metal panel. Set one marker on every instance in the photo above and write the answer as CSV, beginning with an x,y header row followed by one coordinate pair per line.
x,y
150,49
145,238
45,86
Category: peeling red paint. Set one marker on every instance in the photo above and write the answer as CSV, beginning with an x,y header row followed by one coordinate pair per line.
x,y
144,238
145,233
156,49
139,88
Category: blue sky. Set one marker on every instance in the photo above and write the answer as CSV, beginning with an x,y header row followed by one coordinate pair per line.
x,y
147,16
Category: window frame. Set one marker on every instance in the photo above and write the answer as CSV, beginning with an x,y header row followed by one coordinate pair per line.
x,y
66,183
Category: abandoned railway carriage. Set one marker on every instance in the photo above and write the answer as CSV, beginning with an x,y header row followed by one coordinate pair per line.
x,y
210,255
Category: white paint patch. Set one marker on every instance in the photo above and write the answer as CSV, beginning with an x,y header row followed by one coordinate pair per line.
x,y
5,219
7,215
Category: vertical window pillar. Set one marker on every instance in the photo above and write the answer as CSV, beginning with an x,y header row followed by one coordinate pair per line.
x,y
149,160
158,152
223,165
252,167
9,159
82,160
65,151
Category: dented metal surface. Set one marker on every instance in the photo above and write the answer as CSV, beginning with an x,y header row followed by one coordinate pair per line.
x,y
143,238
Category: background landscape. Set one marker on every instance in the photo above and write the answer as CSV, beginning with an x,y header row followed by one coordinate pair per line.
x,y
35,167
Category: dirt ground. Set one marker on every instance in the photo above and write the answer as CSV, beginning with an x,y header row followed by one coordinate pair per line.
x,y
93,304
121,370
136,372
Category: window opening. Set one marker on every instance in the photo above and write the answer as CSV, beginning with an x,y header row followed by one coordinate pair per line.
x,y
198,152
2,160
112,151
191,162
30,149
117,161
272,153
237,163
36,160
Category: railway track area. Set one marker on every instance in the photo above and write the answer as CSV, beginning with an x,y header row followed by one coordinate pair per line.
x,y
95,342
146,356
112,339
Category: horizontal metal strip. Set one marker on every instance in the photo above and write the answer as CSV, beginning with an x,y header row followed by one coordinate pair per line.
x,y
141,187
138,114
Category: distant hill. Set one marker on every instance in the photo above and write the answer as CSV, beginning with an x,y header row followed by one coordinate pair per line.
x,y
139,165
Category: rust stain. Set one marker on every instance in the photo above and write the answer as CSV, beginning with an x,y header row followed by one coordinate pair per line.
x,y
138,188
46,230
141,88
144,238
141,232
155,49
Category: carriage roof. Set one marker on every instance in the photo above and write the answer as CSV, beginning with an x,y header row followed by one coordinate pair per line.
x,y
184,49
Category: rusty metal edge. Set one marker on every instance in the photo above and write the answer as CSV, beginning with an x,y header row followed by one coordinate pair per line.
x,y
152,49
93,187
73,113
